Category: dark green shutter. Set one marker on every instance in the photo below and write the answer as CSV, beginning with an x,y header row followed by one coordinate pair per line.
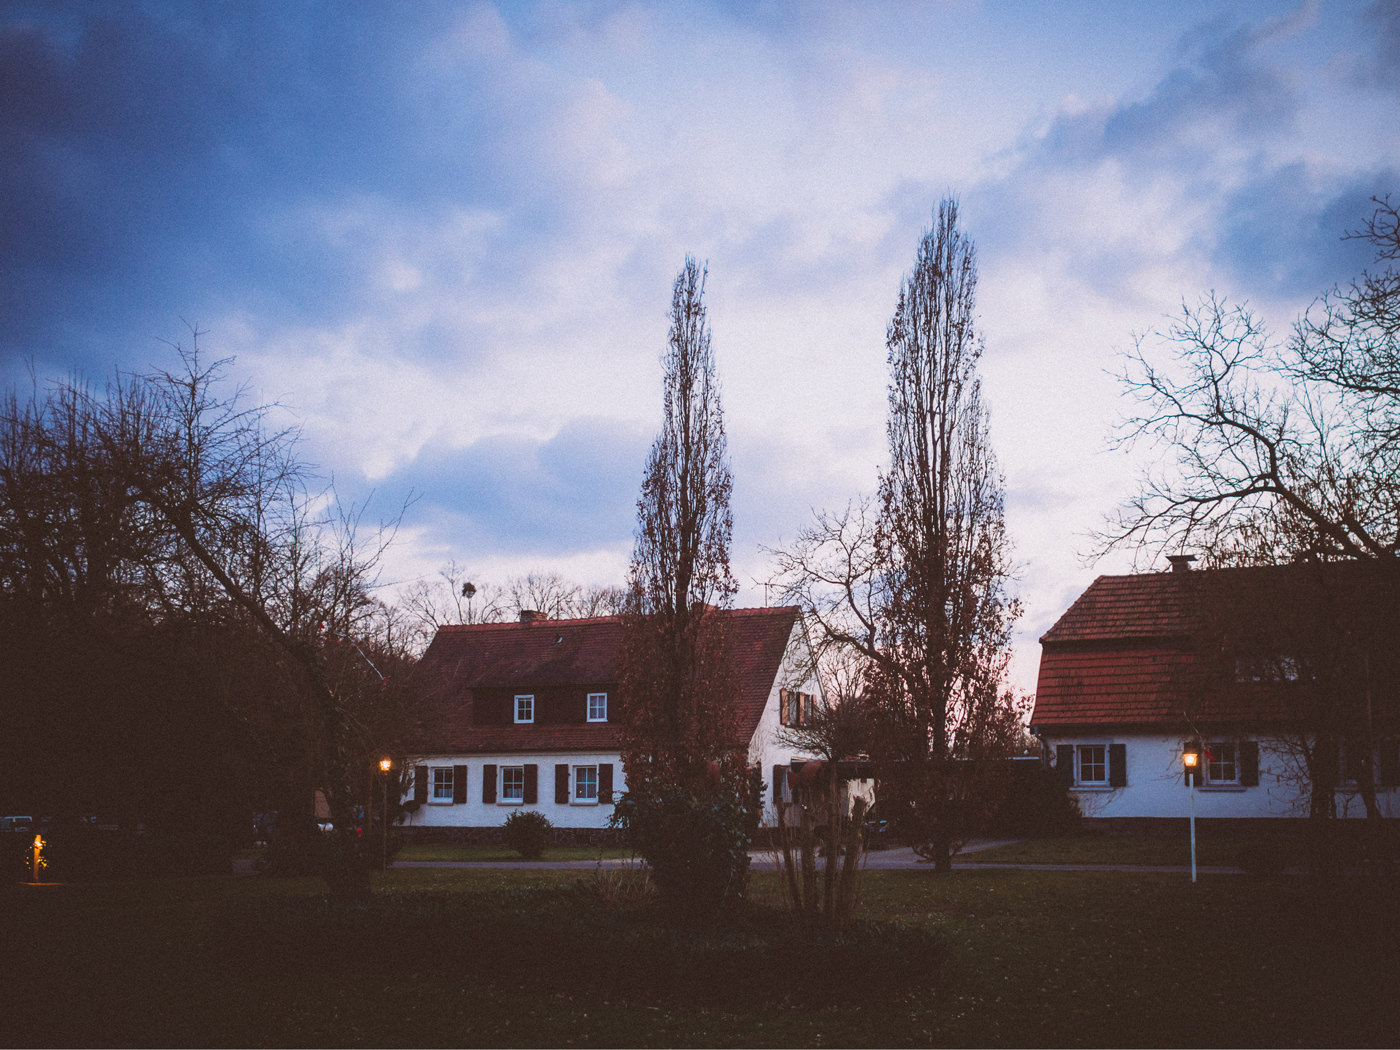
x,y
605,783
1249,763
420,784
1064,763
459,785
561,784
532,784
488,783
1117,765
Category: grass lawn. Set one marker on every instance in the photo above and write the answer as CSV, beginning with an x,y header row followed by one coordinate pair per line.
x,y
1032,959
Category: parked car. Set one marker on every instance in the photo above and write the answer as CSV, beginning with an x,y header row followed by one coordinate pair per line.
x,y
19,825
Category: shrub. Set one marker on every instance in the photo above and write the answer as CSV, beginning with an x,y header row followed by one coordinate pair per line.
x,y
696,843
527,833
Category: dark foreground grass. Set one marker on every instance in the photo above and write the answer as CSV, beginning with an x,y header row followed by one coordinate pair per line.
x,y
1026,958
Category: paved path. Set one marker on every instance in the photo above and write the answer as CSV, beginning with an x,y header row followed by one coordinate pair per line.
x,y
902,858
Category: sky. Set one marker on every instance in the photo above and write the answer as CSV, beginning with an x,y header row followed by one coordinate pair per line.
x,y
443,235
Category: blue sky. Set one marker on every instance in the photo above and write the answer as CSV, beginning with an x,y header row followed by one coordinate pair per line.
x,y
444,234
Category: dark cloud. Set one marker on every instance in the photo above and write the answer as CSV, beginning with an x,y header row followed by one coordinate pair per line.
x,y
1379,67
1279,237
514,495
169,161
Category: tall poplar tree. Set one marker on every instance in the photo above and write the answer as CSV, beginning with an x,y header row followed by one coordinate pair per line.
x,y
688,807
916,582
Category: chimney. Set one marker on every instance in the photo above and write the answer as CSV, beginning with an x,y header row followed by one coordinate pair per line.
x,y
1181,562
531,615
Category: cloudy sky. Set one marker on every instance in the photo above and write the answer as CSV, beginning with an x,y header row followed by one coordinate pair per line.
x,y
444,234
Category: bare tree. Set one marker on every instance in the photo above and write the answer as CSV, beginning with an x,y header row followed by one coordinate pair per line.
x,y
206,529
917,582
1286,452
689,807
1272,451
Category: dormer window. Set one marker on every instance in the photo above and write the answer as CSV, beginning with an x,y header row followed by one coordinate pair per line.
x,y
597,707
524,708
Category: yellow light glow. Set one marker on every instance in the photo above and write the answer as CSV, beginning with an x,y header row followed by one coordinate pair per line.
x,y
1189,759
386,764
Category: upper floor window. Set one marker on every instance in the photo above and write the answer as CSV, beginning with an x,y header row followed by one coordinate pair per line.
x,y
1274,667
525,708
597,707
796,708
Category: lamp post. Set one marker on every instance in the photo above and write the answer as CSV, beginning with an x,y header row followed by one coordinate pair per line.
x,y
385,765
1191,762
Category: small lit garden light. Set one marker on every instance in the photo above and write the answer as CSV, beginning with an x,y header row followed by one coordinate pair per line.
x,y
1191,763
37,851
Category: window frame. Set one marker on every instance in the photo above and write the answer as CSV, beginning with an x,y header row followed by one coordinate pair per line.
x,y
1208,766
576,781
440,785
529,708
1102,761
503,798
589,711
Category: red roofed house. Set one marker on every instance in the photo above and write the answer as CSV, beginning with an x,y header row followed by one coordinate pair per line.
x,y
1142,665
526,717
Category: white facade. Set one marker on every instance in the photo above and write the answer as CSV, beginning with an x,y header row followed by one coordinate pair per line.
x,y
1155,784
479,807
582,808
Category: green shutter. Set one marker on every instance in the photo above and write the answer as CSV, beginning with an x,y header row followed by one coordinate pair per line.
x,y
420,784
532,784
605,783
488,783
459,785
1118,765
561,783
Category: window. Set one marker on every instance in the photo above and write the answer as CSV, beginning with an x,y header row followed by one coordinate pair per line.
x,y
512,783
525,708
1222,765
1273,667
597,707
1093,764
442,784
795,708
585,784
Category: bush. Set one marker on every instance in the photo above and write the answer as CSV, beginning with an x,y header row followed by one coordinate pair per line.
x,y
527,833
696,844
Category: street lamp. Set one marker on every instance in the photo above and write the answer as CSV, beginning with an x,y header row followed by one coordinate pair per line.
x,y
1191,763
385,765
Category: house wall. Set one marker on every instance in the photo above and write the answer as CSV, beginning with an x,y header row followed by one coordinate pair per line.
x,y
1156,785
475,812
767,747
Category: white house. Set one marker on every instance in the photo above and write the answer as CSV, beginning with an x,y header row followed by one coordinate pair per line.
x,y
1256,666
525,716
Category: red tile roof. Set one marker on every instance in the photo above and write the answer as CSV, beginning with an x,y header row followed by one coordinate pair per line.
x,y
1125,653
547,654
